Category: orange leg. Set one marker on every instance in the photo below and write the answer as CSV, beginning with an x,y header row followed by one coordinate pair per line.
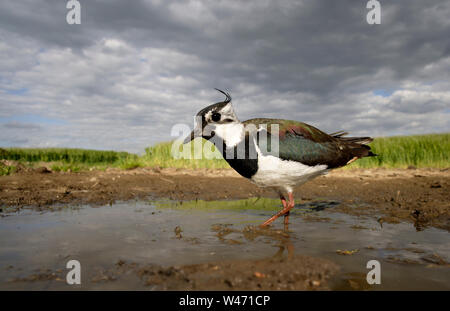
x,y
287,206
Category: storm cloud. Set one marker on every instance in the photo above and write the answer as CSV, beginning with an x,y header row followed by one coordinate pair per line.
x,y
133,69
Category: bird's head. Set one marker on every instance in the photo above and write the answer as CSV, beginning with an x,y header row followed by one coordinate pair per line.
x,y
209,118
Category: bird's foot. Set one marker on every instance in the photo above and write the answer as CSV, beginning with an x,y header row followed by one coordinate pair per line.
x,y
274,217
287,206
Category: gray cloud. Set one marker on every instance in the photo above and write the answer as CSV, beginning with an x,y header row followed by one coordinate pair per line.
x,y
132,70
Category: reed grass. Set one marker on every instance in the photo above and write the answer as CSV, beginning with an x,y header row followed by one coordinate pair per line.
x,y
420,151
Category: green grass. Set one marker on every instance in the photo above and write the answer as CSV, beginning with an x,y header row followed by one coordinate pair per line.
x,y
160,155
6,170
68,159
421,151
65,155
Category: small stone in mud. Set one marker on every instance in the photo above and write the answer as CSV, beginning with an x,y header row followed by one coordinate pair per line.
x,y
415,213
358,227
178,231
435,185
259,274
315,283
42,170
347,252
380,221
388,219
103,277
231,241
216,227
353,284
228,282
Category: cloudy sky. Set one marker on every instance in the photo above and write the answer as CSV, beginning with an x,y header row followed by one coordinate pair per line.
x,y
133,69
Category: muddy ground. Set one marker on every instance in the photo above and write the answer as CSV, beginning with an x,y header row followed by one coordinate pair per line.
x,y
419,196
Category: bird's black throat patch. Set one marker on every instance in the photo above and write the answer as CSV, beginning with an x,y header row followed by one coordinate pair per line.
x,y
247,164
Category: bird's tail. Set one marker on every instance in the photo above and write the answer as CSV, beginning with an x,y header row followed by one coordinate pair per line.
x,y
357,144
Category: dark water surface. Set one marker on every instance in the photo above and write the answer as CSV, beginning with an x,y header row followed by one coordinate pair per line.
x,y
34,243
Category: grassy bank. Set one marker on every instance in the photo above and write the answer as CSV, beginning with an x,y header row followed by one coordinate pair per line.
x,y
393,152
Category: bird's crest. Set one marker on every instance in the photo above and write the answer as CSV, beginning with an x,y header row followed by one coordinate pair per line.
x,y
228,96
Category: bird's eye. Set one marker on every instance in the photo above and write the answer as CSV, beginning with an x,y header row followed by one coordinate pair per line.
x,y
215,117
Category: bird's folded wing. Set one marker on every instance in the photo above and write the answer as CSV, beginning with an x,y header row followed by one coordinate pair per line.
x,y
304,143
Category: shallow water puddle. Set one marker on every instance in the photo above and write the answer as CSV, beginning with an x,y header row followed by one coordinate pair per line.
x,y
36,246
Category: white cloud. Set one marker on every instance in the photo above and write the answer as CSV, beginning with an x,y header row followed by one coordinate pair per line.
x,y
129,72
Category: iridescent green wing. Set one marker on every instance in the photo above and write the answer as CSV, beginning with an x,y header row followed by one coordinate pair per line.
x,y
300,142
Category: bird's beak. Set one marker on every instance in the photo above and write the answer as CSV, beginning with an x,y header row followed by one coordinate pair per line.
x,y
194,134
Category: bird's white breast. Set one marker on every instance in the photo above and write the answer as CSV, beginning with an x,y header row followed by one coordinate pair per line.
x,y
283,175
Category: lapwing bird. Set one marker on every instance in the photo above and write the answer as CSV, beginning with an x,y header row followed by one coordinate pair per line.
x,y
303,151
